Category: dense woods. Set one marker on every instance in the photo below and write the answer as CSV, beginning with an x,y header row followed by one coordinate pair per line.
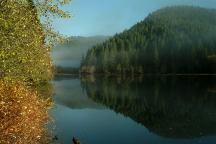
x,y
179,39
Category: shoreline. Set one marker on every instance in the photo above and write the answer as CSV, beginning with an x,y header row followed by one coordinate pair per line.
x,y
147,74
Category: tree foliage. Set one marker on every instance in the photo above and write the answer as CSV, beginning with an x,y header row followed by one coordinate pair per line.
x,y
26,39
46,11
23,116
179,39
25,42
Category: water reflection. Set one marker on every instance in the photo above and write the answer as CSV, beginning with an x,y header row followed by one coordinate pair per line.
x,y
70,94
173,107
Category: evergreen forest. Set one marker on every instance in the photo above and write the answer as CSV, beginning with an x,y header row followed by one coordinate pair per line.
x,y
172,40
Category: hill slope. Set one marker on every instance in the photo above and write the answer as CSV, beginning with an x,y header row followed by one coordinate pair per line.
x,y
69,54
171,40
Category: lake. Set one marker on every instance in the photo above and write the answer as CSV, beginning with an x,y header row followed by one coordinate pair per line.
x,y
140,110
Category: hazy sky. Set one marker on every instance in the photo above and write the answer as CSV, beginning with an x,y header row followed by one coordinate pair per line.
x,y
107,17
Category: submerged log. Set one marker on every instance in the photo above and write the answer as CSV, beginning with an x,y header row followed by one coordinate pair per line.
x,y
75,141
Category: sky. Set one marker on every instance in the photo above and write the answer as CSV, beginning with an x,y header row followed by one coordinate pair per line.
x,y
108,17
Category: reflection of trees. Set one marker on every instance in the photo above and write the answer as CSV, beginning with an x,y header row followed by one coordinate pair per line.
x,y
169,106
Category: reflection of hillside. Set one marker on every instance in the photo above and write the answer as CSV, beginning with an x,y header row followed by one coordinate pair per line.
x,y
212,89
69,93
169,106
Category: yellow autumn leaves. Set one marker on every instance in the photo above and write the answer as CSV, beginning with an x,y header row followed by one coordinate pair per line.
x,y
22,115
25,65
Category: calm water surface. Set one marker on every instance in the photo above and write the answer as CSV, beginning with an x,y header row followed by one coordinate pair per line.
x,y
151,110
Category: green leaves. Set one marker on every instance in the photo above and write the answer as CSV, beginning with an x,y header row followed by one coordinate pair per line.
x,y
25,41
46,11
22,44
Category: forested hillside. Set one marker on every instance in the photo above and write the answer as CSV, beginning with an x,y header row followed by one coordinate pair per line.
x,y
179,39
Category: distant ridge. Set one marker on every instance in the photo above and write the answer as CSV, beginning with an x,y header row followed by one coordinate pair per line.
x,y
69,54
